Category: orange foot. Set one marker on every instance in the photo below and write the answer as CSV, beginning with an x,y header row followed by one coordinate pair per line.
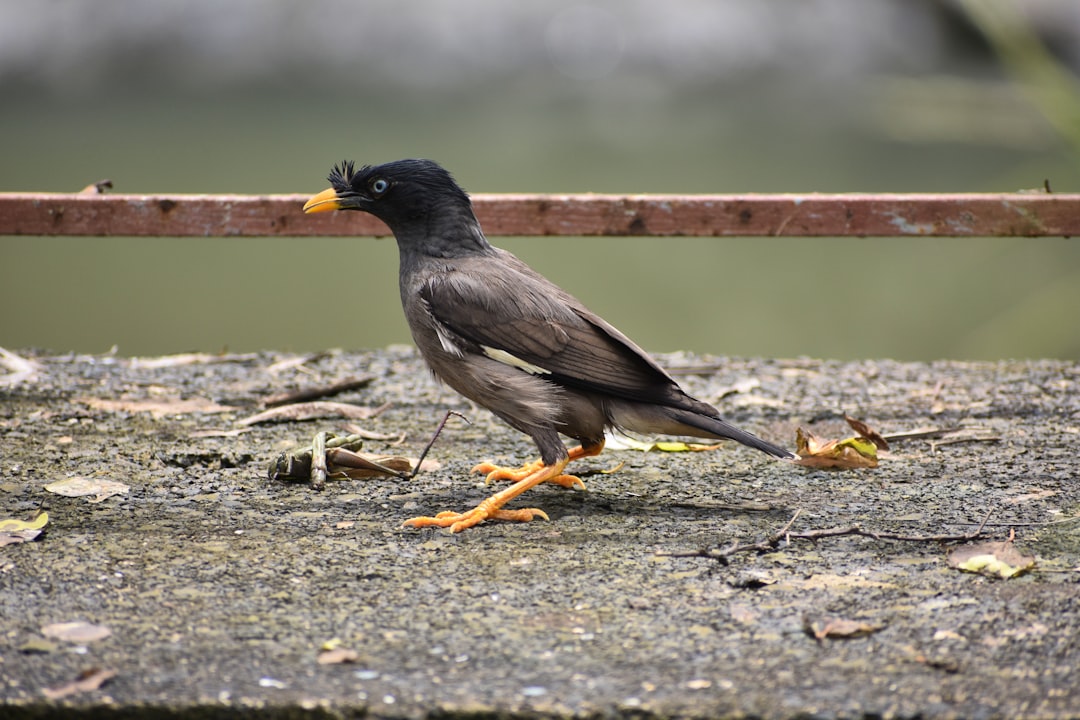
x,y
498,472
491,509
460,521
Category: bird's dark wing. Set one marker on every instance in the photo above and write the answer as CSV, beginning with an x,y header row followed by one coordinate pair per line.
x,y
501,308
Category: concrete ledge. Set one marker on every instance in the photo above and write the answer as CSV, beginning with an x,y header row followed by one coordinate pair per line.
x,y
220,586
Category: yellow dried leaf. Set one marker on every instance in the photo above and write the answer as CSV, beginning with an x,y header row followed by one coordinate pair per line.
x,y
843,454
1000,559
13,525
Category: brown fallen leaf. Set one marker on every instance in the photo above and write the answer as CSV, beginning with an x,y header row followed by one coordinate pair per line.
x,y
76,632
842,454
839,628
867,432
312,411
87,680
100,488
342,463
993,559
337,656
157,408
1036,494
295,361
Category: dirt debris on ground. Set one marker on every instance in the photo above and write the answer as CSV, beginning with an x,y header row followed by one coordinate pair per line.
x,y
223,591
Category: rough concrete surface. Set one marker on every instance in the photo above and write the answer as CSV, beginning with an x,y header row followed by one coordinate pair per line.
x,y
219,586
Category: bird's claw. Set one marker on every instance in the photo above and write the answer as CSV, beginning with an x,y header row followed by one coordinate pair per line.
x,y
461,521
498,472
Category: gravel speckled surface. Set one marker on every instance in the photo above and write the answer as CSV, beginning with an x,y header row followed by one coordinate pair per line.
x,y
220,586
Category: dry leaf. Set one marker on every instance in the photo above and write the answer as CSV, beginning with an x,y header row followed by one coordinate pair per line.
x,y
337,656
993,559
1037,494
13,525
839,628
346,463
867,432
14,531
312,411
88,680
38,646
157,408
76,632
743,386
295,464
843,454
100,488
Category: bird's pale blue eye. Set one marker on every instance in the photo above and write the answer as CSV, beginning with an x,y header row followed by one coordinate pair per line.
x,y
379,186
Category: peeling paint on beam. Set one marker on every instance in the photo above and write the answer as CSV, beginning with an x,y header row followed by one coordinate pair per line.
x,y
954,215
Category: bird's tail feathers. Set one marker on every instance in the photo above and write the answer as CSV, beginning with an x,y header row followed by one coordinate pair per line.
x,y
716,427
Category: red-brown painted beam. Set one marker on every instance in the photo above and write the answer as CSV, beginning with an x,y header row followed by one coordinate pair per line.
x,y
1014,214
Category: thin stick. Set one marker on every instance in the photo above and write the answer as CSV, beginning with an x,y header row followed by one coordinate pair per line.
x,y
318,461
784,534
317,393
438,431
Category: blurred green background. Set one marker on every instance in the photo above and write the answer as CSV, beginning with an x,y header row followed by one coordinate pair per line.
x,y
678,97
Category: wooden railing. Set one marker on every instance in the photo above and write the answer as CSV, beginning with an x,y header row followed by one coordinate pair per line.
x,y
944,215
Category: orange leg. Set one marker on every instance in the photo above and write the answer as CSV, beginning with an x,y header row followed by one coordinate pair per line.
x,y
491,509
497,472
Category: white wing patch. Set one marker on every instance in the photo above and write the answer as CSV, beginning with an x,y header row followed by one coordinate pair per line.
x,y
508,359
447,341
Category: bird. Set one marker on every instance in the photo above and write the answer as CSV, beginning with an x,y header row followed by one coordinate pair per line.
x,y
510,340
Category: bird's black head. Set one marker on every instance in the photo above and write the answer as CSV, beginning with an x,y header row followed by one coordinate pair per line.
x,y
415,198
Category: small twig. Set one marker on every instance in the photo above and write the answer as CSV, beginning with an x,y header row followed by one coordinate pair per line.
x,y
923,434
438,431
297,361
785,535
185,359
955,441
317,393
318,461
